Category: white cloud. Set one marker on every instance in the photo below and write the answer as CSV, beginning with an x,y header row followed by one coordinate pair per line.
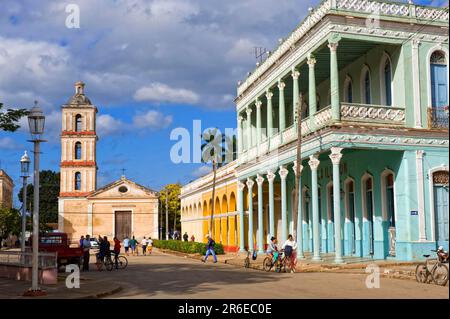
x,y
201,171
108,125
152,120
7,143
187,51
159,92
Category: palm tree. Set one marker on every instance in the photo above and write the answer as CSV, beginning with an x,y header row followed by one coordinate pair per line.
x,y
215,147
211,152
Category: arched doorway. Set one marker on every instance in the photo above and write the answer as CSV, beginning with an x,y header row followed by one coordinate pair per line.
x,y
224,221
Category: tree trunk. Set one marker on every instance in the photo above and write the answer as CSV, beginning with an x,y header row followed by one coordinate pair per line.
x,y
213,199
299,163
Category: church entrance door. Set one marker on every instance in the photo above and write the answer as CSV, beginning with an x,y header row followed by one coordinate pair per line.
x,y
122,224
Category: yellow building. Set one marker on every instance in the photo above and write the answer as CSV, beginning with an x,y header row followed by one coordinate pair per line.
x,y
121,208
196,206
6,189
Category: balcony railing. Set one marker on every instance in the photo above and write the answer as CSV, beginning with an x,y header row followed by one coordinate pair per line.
x,y
369,113
438,117
363,114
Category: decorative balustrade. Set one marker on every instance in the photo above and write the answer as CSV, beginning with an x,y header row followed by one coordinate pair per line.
x,y
436,14
438,117
264,147
372,113
374,7
289,134
275,141
322,117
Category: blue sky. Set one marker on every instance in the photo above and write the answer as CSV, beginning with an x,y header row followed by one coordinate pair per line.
x,y
149,66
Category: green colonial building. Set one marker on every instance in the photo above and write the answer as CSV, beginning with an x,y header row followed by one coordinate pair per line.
x,y
372,80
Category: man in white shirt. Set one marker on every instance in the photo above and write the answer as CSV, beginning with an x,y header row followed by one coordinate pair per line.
x,y
126,244
144,246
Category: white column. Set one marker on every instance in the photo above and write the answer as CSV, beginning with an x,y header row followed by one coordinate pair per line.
x,y
298,210
420,196
249,128
283,175
314,165
260,239
250,184
416,82
335,157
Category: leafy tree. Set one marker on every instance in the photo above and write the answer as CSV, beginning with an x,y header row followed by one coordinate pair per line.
x,y
10,222
174,205
48,197
10,118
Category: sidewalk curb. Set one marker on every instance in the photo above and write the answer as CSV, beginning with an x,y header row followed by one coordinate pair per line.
x,y
102,294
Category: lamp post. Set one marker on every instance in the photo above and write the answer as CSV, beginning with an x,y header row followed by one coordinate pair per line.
x,y
24,170
36,122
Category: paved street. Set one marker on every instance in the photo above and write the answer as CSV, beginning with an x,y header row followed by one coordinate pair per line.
x,y
168,276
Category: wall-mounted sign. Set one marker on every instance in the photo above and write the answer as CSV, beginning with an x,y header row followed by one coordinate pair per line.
x,y
414,212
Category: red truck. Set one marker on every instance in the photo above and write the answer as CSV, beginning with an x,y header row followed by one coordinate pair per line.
x,y
59,242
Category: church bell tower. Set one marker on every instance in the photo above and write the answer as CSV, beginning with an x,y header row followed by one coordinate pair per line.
x,y
78,145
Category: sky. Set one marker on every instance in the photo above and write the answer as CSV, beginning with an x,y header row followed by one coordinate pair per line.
x,y
150,66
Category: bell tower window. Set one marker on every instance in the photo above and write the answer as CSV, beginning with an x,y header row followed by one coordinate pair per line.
x,y
77,150
78,123
77,181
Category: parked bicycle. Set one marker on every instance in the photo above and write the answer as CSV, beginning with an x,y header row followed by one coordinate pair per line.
x,y
120,261
272,260
438,273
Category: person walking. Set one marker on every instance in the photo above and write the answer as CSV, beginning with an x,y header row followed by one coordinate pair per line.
x,y
210,249
149,245
81,240
126,244
116,251
185,236
133,244
86,252
144,246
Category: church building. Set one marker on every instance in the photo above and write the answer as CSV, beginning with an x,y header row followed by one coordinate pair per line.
x,y
121,208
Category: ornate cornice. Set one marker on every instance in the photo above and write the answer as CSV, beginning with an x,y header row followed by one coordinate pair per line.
x,y
78,164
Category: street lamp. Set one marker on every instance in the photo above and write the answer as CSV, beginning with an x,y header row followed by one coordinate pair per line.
x,y
36,122
24,171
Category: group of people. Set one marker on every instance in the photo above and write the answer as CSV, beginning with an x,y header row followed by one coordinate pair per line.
x,y
289,248
104,249
146,245
186,237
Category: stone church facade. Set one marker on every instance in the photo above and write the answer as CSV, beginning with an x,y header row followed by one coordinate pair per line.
x,y
121,208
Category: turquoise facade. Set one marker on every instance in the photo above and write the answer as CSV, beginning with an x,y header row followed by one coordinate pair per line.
x,y
374,128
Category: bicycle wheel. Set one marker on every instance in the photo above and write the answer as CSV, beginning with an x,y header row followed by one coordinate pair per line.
x,y
109,265
440,275
422,273
123,262
267,264
247,262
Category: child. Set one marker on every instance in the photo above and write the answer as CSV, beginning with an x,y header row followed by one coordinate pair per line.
x,y
149,245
